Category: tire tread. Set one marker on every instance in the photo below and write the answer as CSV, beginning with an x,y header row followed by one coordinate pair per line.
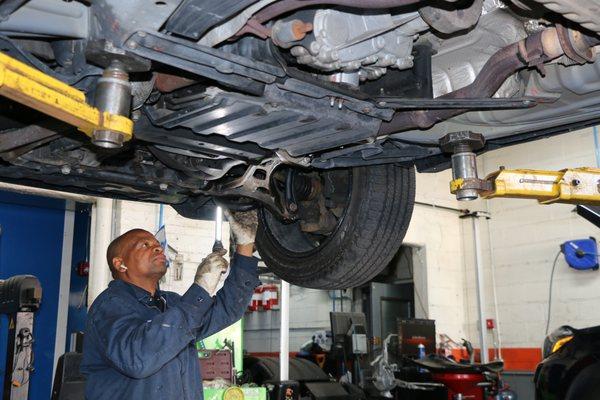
x,y
382,214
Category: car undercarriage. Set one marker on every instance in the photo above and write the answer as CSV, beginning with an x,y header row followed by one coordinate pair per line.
x,y
299,107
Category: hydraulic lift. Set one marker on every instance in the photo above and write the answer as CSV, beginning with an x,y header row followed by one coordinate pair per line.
x,y
570,186
108,125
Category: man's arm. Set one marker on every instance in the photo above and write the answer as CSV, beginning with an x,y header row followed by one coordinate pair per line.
x,y
137,347
233,299
245,249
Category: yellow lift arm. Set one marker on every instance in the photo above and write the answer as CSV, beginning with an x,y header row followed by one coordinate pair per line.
x,y
571,186
51,96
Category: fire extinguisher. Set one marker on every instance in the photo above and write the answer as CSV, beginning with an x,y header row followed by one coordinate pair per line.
x,y
271,297
255,302
83,268
266,298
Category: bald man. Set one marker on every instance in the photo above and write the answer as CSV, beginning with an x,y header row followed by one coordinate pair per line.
x,y
140,340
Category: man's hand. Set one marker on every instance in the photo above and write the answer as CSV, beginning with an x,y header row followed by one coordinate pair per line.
x,y
243,226
210,270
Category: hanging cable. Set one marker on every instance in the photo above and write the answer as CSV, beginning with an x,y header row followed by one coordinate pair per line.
x,y
550,291
415,288
23,355
494,289
498,342
596,145
83,299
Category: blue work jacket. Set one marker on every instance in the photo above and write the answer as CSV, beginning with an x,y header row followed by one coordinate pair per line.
x,y
134,351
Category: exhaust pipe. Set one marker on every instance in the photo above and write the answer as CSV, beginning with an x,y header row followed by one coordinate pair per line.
x,y
533,51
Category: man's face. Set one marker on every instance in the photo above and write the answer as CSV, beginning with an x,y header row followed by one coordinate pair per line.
x,y
144,256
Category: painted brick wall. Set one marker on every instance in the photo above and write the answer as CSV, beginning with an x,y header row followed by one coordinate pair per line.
x,y
437,233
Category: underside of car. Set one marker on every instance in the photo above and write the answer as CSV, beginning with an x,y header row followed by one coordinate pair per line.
x,y
314,111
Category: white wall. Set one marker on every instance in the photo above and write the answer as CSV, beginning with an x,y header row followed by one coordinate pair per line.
x,y
438,232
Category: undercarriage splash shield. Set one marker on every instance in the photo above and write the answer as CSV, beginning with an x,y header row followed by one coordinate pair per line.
x,y
280,120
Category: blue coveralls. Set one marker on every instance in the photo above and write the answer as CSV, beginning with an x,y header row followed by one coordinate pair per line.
x,y
134,351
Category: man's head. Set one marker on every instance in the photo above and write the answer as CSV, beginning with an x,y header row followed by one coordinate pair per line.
x,y
136,255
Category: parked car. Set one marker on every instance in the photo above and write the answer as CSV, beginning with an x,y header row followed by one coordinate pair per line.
x,y
571,365
314,111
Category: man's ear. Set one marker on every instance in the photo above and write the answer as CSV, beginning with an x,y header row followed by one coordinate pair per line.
x,y
119,264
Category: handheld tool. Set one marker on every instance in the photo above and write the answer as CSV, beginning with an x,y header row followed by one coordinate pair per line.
x,y
218,245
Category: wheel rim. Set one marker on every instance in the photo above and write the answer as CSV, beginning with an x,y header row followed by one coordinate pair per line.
x,y
291,236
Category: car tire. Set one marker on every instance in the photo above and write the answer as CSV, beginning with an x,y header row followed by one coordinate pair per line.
x,y
369,234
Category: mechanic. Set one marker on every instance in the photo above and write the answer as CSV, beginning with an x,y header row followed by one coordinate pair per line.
x,y
140,341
